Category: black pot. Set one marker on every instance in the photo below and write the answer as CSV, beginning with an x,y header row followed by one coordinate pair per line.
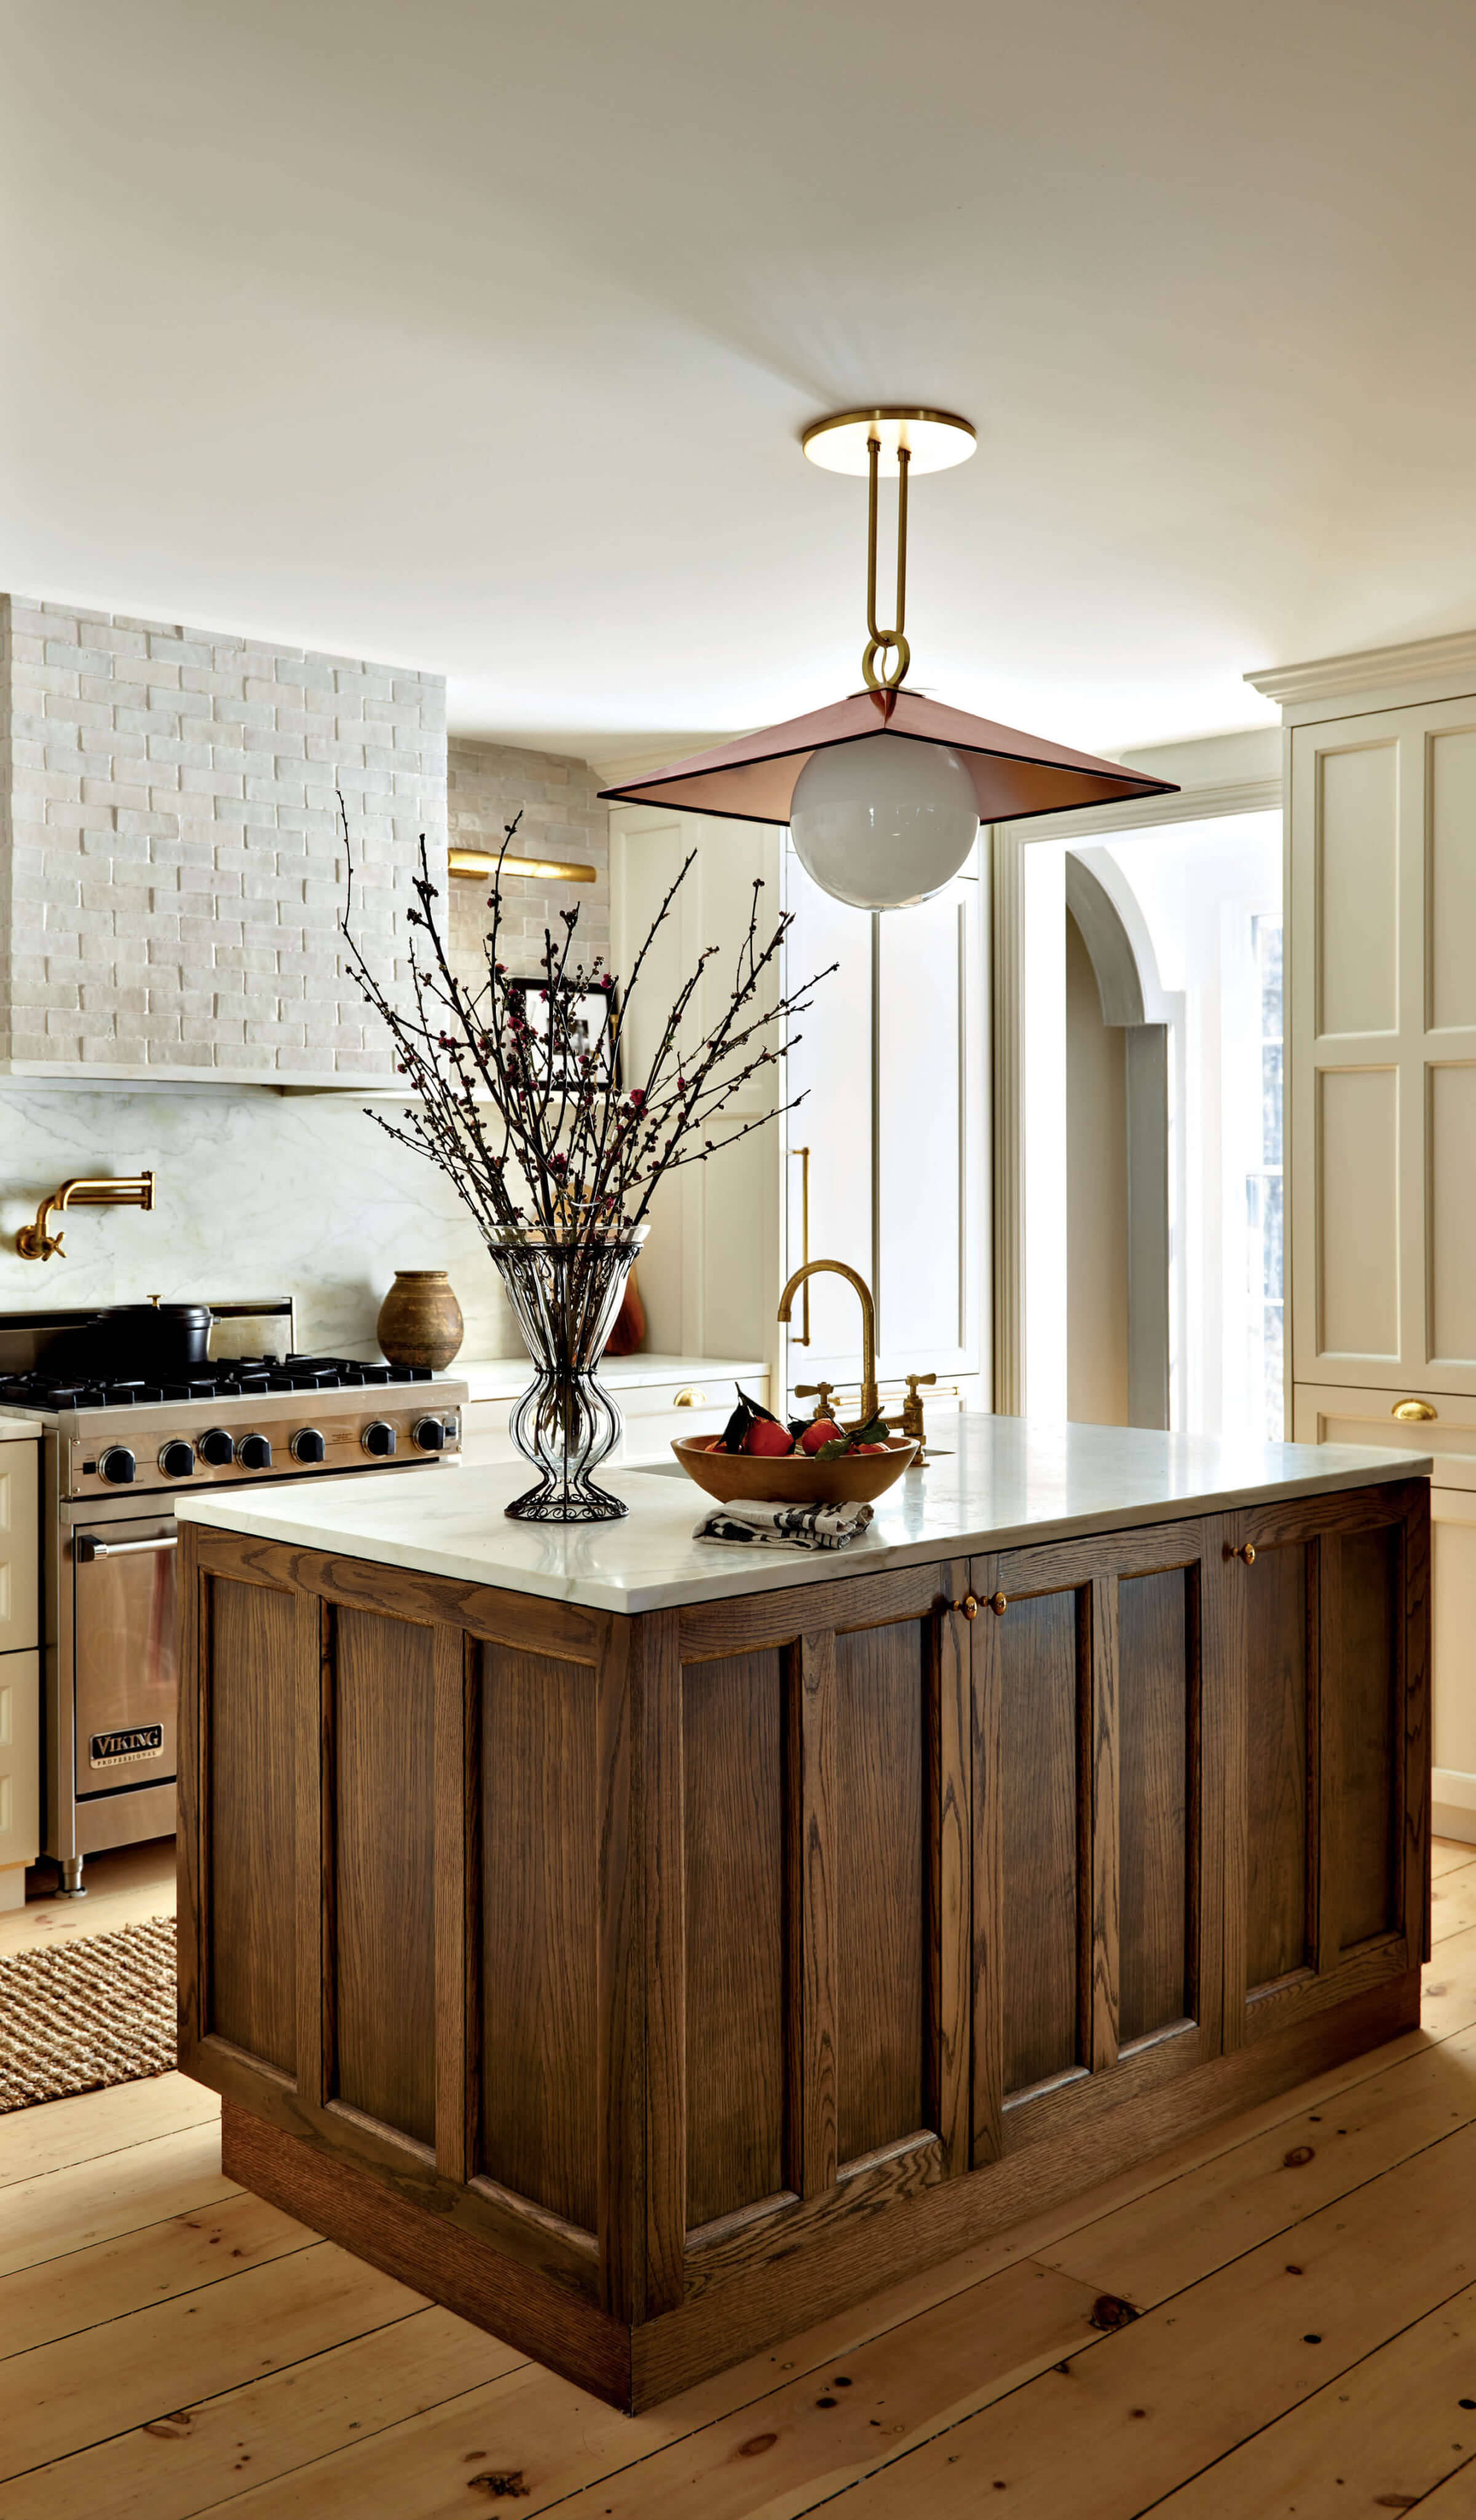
x,y
150,1342
166,1339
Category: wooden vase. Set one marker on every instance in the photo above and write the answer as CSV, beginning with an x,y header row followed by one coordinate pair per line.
x,y
419,1320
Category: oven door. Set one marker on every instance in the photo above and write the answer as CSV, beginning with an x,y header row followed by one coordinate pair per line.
x,y
124,1658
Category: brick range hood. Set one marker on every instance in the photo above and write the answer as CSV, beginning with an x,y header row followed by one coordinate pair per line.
x,y
170,868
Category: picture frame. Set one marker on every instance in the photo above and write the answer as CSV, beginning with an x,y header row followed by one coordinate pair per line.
x,y
591,1024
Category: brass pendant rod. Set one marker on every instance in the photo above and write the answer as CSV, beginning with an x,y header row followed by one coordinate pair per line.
x,y
880,640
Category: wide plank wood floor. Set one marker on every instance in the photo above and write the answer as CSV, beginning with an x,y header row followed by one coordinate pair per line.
x,y
1305,2344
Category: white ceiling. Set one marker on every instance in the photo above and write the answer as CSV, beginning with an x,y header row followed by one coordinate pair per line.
x,y
481,337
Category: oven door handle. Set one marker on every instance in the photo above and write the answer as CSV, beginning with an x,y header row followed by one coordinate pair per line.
x,y
85,1549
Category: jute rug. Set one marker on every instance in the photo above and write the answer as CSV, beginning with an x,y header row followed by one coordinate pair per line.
x,y
94,2010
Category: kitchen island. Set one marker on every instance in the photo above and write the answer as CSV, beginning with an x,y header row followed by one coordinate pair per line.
x,y
647,1948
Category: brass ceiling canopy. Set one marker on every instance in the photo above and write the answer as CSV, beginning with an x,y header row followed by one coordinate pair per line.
x,y
933,440
1013,776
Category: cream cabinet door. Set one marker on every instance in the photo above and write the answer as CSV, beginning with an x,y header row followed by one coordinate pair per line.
x,y
1333,1413
888,1150
20,1545
20,1771
1383,1049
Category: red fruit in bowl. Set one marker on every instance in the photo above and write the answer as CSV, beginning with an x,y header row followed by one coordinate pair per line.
x,y
820,1431
869,1447
765,1435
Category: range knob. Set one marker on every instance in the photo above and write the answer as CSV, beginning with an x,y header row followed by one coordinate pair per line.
x,y
217,1448
428,1435
308,1445
254,1453
177,1460
117,1466
378,1438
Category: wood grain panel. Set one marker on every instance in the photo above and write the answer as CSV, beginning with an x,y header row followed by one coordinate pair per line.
x,y
733,1747
1359,1802
1276,1612
881,1819
950,1867
641,1977
1154,1620
251,1704
1037,1782
538,1835
384,1873
811,1921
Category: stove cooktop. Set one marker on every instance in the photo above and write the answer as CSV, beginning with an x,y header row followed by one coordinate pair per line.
x,y
237,1378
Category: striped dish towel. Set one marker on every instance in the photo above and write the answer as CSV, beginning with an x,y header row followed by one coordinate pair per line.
x,y
784,1526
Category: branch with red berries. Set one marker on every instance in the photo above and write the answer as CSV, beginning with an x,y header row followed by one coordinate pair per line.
x,y
529,1124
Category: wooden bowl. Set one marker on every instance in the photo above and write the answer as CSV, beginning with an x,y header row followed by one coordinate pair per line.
x,y
794,1479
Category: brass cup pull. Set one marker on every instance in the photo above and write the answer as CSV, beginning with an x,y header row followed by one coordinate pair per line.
x,y
690,1399
1413,1413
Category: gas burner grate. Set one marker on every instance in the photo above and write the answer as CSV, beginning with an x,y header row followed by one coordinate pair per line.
x,y
232,1378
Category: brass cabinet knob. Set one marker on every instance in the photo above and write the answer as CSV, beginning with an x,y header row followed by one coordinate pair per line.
x,y
1414,1412
690,1399
970,1605
1246,1552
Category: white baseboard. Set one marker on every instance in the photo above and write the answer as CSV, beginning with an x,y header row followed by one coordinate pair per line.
x,y
1454,1804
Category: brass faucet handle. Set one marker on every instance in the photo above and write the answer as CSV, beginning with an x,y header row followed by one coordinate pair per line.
x,y
912,1406
822,1393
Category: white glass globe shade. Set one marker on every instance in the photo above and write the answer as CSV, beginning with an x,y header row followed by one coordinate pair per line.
x,y
885,822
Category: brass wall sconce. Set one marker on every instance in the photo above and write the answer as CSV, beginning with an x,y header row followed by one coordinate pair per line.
x,y
478,865
130,1189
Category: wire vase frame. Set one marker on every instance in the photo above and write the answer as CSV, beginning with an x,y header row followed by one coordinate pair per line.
x,y
565,1296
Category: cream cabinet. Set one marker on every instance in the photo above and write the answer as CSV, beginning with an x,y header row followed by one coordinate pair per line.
x,y
691,1399
1381,1036
1383,1049
1333,1413
20,1667
886,1155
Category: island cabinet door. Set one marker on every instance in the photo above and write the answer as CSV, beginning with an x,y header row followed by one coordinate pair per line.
x,y
825,1854
1326,1608
1097,1722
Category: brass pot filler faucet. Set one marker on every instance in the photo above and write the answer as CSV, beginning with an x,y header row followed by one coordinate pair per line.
x,y
129,1190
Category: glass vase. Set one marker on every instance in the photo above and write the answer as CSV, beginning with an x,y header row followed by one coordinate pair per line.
x,y
565,1296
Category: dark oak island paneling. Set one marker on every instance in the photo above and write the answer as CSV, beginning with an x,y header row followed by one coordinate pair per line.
x,y
647,1988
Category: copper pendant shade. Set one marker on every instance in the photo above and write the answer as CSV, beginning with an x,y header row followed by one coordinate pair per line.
x,y
1014,775
753,779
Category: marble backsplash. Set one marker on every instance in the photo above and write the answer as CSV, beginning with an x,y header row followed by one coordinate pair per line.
x,y
259,1195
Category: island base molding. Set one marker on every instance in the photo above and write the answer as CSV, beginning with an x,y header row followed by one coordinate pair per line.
x,y
635,2368
647,1988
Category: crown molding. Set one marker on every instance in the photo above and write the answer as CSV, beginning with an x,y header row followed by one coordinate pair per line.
x,y
1368,669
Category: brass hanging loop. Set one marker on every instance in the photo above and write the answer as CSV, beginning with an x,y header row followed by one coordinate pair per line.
x,y
880,641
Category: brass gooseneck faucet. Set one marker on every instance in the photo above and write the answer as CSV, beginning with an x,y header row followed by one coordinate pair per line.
x,y
135,1189
871,1398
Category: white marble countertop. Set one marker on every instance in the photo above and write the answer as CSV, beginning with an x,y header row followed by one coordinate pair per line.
x,y
16,1428
1009,1482
505,1377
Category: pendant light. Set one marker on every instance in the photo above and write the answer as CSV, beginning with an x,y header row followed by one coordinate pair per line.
x,y
884,791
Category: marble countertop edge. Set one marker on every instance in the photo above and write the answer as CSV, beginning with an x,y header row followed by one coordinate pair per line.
x,y
965,1504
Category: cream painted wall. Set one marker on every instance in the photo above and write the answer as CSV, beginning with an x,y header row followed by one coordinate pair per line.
x,y
259,1195
1096,1200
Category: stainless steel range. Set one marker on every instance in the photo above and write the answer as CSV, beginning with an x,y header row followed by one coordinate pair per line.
x,y
122,1435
